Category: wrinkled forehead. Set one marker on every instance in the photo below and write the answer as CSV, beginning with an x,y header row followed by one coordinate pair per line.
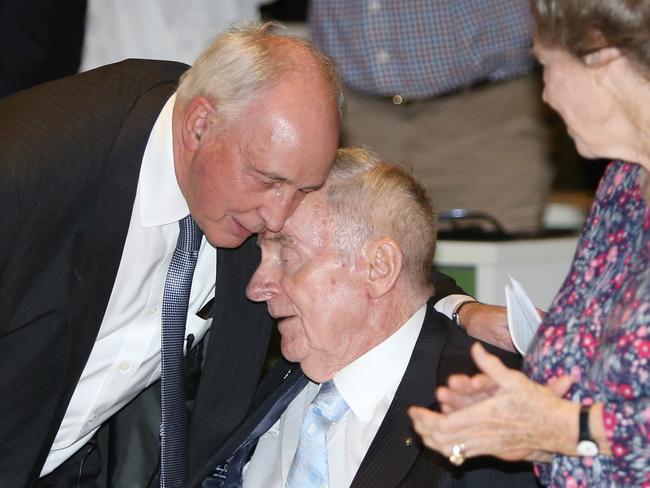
x,y
309,225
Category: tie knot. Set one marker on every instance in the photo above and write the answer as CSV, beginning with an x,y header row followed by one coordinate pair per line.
x,y
329,403
189,238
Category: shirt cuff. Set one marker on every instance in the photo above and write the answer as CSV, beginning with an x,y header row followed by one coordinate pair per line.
x,y
447,305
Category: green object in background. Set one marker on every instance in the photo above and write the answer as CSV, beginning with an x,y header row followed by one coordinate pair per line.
x,y
465,276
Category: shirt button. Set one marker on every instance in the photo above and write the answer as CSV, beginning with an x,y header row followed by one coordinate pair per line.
x,y
92,418
124,366
382,56
374,5
153,310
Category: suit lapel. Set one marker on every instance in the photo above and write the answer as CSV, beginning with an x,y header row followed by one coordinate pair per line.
x,y
100,242
396,446
292,379
239,338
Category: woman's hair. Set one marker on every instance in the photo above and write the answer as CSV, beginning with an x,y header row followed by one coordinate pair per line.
x,y
584,26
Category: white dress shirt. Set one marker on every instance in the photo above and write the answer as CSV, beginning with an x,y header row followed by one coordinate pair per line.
x,y
448,305
368,386
125,358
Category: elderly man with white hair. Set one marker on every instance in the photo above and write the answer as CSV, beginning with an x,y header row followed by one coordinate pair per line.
x,y
348,280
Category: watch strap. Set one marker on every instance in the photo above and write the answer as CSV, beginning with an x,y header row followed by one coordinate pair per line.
x,y
455,318
586,446
583,425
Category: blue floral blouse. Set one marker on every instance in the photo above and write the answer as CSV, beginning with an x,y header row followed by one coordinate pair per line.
x,y
598,330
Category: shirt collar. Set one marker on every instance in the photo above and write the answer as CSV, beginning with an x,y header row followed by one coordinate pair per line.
x,y
365,381
161,200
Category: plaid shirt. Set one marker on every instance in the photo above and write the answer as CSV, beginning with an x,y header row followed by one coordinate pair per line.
x,y
422,48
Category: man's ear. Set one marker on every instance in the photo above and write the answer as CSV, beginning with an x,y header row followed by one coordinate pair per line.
x,y
601,57
196,119
384,258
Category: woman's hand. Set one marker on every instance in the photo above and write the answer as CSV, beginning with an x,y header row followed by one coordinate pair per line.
x,y
501,413
463,391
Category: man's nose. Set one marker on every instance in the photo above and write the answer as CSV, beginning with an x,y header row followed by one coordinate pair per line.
x,y
262,287
277,209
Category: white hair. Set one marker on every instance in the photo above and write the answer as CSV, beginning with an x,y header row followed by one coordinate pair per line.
x,y
370,198
243,62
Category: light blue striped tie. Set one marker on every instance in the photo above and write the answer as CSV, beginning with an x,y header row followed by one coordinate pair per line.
x,y
309,468
173,429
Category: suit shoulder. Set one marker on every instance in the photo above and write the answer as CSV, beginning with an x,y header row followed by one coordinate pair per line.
x,y
456,357
145,72
82,107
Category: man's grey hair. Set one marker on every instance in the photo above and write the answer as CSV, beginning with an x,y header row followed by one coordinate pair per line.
x,y
370,198
243,62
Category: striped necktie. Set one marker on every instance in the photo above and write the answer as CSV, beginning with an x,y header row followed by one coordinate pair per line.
x,y
309,468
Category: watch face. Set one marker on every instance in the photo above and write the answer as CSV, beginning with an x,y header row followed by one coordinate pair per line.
x,y
587,448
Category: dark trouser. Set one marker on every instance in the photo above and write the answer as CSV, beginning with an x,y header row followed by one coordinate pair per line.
x,y
498,131
83,469
123,454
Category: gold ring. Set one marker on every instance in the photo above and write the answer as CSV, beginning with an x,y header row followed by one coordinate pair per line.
x,y
457,454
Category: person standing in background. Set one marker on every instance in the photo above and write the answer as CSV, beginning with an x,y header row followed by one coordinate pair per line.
x,y
429,87
158,29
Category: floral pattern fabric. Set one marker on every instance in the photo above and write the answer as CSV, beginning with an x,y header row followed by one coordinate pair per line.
x,y
598,330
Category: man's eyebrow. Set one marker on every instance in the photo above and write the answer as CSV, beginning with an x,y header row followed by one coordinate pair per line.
x,y
284,179
280,237
308,189
273,176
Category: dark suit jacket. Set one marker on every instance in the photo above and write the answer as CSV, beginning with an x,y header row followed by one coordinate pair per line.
x,y
70,156
396,458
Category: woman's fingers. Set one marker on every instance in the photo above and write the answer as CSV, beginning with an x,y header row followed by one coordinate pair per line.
x,y
440,433
560,386
495,370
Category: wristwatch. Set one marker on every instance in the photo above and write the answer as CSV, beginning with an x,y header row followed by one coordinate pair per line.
x,y
455,318
587,446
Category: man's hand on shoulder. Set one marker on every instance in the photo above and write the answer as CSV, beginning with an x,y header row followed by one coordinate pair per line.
x,y
488,323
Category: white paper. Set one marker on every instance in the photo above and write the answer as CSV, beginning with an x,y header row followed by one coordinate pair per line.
x,y
523,319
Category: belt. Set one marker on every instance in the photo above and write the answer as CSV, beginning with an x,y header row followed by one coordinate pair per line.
x,y
402,101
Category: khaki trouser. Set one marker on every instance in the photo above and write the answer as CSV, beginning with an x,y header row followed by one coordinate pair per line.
x,y
486,148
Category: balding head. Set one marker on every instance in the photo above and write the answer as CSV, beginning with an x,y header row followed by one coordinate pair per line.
x,y
242,63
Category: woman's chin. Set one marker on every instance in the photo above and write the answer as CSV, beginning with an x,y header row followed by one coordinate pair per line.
x,y
585,151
